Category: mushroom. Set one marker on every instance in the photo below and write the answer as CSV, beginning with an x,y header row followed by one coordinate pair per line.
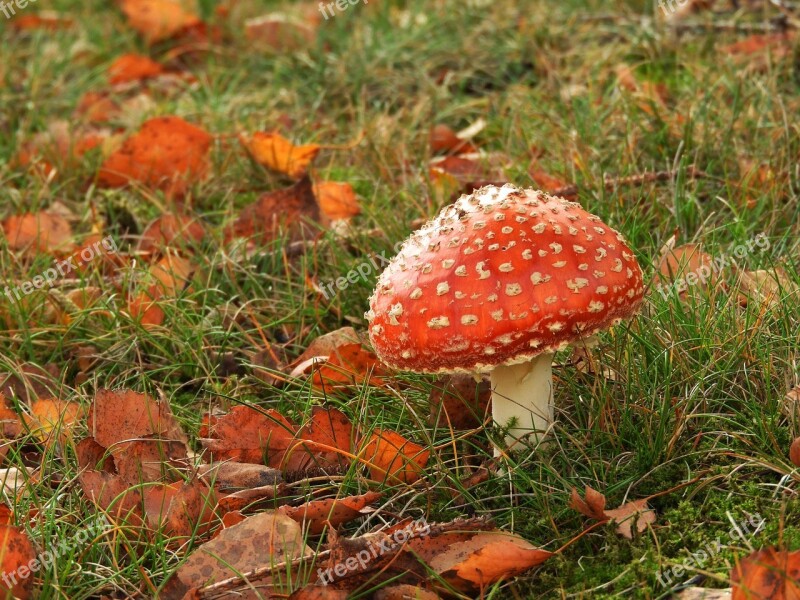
x,y
498,282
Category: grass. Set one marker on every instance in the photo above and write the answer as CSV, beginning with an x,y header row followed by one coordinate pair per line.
x,y
695,401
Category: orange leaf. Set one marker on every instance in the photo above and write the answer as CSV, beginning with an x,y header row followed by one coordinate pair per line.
x,y
279,154
40,231
333,512
290,209
635,513
133,67
349,364
337,200
52,415
444,140
159,20
46,19
171,274
767,574
167,153
17,553
390,456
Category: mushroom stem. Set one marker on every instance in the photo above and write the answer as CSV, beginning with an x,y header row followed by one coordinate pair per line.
x,y
523,392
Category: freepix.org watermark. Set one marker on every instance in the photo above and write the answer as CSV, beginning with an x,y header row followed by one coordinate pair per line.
x,y
69,264
48,557
339,5
8,6
700,557
417,529
702,273
373,265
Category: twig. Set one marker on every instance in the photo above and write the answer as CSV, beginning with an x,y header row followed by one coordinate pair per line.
x,y
631,180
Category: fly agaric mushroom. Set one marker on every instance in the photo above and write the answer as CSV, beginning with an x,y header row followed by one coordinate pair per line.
x,y
499,281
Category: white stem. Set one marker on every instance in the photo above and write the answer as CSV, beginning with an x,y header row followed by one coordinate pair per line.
x,y
524,392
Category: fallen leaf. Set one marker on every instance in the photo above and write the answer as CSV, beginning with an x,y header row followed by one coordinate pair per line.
x,y
275,152
232,476
390,457
444,140
263,539
53,420
170,275
47,20
319,514
768,574
61,147
18,552
484,559
635,513
336,200
42,231
405,591
350,364
293,210
133,67
683,267
166,153
159,20
768,288
326,344
324,443
179,230
794,452
248,435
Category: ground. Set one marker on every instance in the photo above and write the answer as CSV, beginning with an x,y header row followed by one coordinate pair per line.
x,y
683,404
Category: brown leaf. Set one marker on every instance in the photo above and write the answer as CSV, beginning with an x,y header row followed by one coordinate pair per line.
x,y
171,229
166,153
247,435
326,344
52,420
133,67
122,415
405,591
171,274
275,152
319,592
332,512
350,364
794,452
593,506
18,552
766,287
485,558
391,457
148,459
61,147
325,442
46,20
159,20
635,513
227,476
291,209
444,140
42,232
684,267
768,574
265,538
337,200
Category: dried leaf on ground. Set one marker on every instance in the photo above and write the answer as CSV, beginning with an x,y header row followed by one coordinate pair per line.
x,y
53,420
263,539
61,147
336,200
767,288
768,574
326,344
46,20
684,267
332,512
166,153
170,275
171,230
794,452
292,210
248,435
275,152
159,20
324,443
444,140
18,552
631,514
350,364
42,232
391,457
133,67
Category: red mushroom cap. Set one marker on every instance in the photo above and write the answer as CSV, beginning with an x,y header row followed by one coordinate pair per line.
x,y
497,278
